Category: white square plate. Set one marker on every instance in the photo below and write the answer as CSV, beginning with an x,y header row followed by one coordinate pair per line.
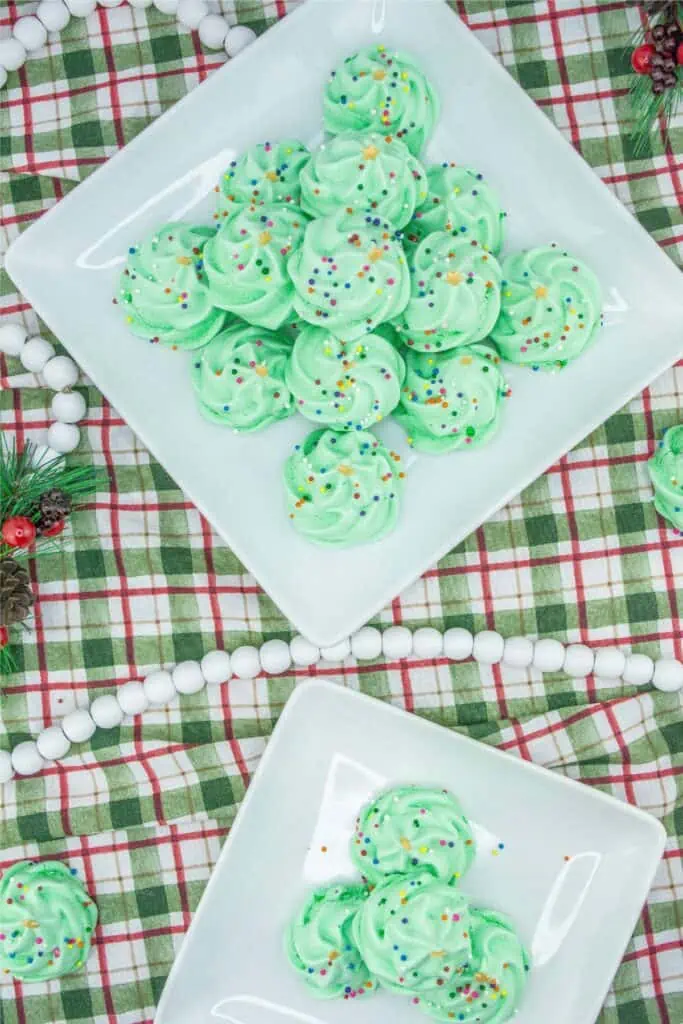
x,y
331,751
67,266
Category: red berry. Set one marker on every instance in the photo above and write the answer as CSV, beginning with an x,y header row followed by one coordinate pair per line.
x,y
4,637
18,532
54,530
679,54
641,58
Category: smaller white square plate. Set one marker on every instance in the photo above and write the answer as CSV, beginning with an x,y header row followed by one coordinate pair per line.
x,y
332,750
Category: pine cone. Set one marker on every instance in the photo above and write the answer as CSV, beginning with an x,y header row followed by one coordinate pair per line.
x,y
54,506
15,593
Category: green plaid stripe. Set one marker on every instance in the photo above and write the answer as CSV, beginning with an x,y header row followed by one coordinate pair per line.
x,y
143,582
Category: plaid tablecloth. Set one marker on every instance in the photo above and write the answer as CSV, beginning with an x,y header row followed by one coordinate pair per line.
x,y
142,811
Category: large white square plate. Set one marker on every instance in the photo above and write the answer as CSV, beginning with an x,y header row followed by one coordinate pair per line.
x,y
331,751
67,266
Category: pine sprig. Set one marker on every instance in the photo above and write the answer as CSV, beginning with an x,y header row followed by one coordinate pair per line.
x,y
23,479
7,663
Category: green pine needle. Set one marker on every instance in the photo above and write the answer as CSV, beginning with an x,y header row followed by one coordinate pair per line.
x,y
22,481
7,663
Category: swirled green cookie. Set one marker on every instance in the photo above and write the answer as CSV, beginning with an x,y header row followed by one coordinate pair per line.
x,y
246,262
343,489
320,944
459,201
451,399
454,294
666,473
346,385
267,173
413,829
350,274
239,378
381,90
361,172
550,308
490,988
164,290
414,932
47,921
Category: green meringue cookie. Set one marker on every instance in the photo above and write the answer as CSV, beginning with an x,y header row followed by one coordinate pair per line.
x,y
454,294
346,385
246,262
666,473
414,933
350,274
460,202
451,399
321,948
343,489
550,308
361,172
266,173
381,90
490,988
164,290
47,920
413,829
239,378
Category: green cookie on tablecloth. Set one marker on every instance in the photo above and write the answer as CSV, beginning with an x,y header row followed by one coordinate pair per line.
x,y
164,289
266,173
47,920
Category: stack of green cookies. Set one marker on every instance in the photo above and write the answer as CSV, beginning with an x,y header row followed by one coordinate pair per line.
x,y
408,927
351,284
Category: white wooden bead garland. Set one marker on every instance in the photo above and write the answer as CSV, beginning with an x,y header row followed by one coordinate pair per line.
x,y
276,656
30,32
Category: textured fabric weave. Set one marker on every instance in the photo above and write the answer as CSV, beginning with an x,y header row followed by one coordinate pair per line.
x,y
142,811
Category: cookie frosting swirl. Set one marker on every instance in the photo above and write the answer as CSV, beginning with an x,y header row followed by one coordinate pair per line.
x,y
379,89
47,920
550,308
454,294
164,290
343,489
266,173
347,385
461,202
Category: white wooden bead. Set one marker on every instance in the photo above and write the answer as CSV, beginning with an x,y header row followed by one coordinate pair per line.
x,y
191,12
212,31
79,726
188,678
140,3
12,338
159,688
63,437
638,670
366,644
216,667
548,655
668,675
427,642
245,662
397,642
106,711
303,652
3,81
518,652
6,767
26,759
275,657
337,652
488,647
30,32
609,663
68,406
12,54
60,372
54,14
35,354
238,38
110,3
458,643
132,698
81,8
53,743
43,456
578,661
166,6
